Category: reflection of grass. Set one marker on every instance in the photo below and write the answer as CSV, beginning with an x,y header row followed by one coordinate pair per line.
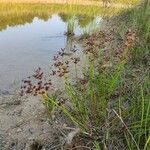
x,y
14,14
84,20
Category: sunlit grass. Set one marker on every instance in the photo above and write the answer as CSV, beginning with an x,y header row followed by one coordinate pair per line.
x,y
16,14
81,2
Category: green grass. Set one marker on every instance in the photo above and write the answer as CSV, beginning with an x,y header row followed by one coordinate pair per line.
x,y
127,117
68,1
123,1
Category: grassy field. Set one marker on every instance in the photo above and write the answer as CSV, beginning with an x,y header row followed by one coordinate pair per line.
x,y
80,2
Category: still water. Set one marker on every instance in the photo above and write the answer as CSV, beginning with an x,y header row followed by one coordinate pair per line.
x,y
25,47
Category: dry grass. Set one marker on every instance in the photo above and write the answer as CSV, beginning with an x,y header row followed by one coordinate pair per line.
x,y
114,3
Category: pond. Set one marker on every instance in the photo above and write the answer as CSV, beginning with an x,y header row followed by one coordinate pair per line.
x,y
31,35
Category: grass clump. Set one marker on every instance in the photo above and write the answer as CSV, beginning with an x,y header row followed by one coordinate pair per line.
x,y
110,104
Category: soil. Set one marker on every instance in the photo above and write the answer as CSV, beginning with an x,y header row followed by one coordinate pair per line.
x,y
24,124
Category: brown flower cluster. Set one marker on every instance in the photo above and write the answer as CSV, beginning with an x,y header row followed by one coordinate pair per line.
x,y
97,41
61,67
129,41
35,84
75,60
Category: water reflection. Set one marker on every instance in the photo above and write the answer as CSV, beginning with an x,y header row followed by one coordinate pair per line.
x,y
20,14
84,20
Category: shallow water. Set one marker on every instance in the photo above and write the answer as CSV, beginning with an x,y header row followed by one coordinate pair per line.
x,y
24,47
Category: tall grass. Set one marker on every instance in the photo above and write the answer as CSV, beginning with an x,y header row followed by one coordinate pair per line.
x,y
95,107
141,22
81,2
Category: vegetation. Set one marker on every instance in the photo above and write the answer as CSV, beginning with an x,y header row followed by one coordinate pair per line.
x,y
20,14
70,1
110,103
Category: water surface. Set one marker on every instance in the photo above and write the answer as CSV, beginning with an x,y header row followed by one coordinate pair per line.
x,y
30,42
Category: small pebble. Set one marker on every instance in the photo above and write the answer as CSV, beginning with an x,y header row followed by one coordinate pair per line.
x,y
19,130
